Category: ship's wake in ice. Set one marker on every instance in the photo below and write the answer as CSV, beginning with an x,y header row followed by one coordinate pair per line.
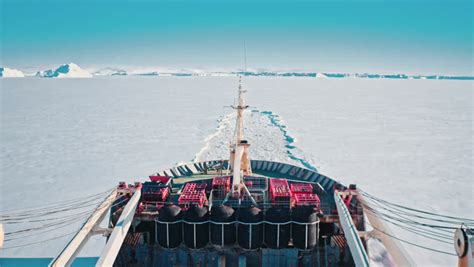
x,y
267,134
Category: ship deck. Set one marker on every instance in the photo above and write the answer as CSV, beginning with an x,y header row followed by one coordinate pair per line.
x,y
196,171
141,248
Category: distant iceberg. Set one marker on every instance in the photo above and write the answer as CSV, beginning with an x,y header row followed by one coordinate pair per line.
x,y
152,73
110,72
70,70
320,76
7,72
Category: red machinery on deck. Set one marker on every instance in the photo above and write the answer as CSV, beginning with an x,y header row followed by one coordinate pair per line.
x,y
193,194
301,188
302,194
220,186
156,192
280,191
301,199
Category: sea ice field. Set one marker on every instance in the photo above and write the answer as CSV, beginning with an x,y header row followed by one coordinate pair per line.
x,y
405,141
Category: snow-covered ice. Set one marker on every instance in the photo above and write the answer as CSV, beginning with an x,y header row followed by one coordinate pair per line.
x,y
7,72
70,70
378,255
258,127
406,141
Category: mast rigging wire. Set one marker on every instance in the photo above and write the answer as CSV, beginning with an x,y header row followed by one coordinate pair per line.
x,y
61,224
51,206
413,244
414,210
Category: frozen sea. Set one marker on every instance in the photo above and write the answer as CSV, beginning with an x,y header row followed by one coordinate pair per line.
x,y
406,141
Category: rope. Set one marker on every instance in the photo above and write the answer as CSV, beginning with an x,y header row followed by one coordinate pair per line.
x,y
41,241
57,225
52,205
44,226
64,224
399,216
416,210
30,220
403,219
421,232
413,244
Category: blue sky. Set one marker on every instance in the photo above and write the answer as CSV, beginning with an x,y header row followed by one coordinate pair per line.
x,y
375,36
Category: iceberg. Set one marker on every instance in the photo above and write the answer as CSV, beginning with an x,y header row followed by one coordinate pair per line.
x,y
70,70
7,72
320,76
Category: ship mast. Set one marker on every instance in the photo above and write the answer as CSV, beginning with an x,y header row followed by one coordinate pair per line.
x,y
239,150
239,126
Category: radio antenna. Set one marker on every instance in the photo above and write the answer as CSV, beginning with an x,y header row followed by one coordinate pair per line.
x,y
245,57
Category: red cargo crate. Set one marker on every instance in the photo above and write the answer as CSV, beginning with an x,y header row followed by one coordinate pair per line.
x,y
301,188
221,183
279,190
189,187
220,186
155,198
160,194
200,187
306,199
193,194
192,198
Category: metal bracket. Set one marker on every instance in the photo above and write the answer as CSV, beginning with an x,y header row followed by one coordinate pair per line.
x,y
101,231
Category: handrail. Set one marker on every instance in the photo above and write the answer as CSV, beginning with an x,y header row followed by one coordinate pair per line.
x,y
350,232
238,222
111,250
67,256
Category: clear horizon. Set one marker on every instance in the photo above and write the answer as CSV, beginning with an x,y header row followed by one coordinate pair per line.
x,y
414,37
